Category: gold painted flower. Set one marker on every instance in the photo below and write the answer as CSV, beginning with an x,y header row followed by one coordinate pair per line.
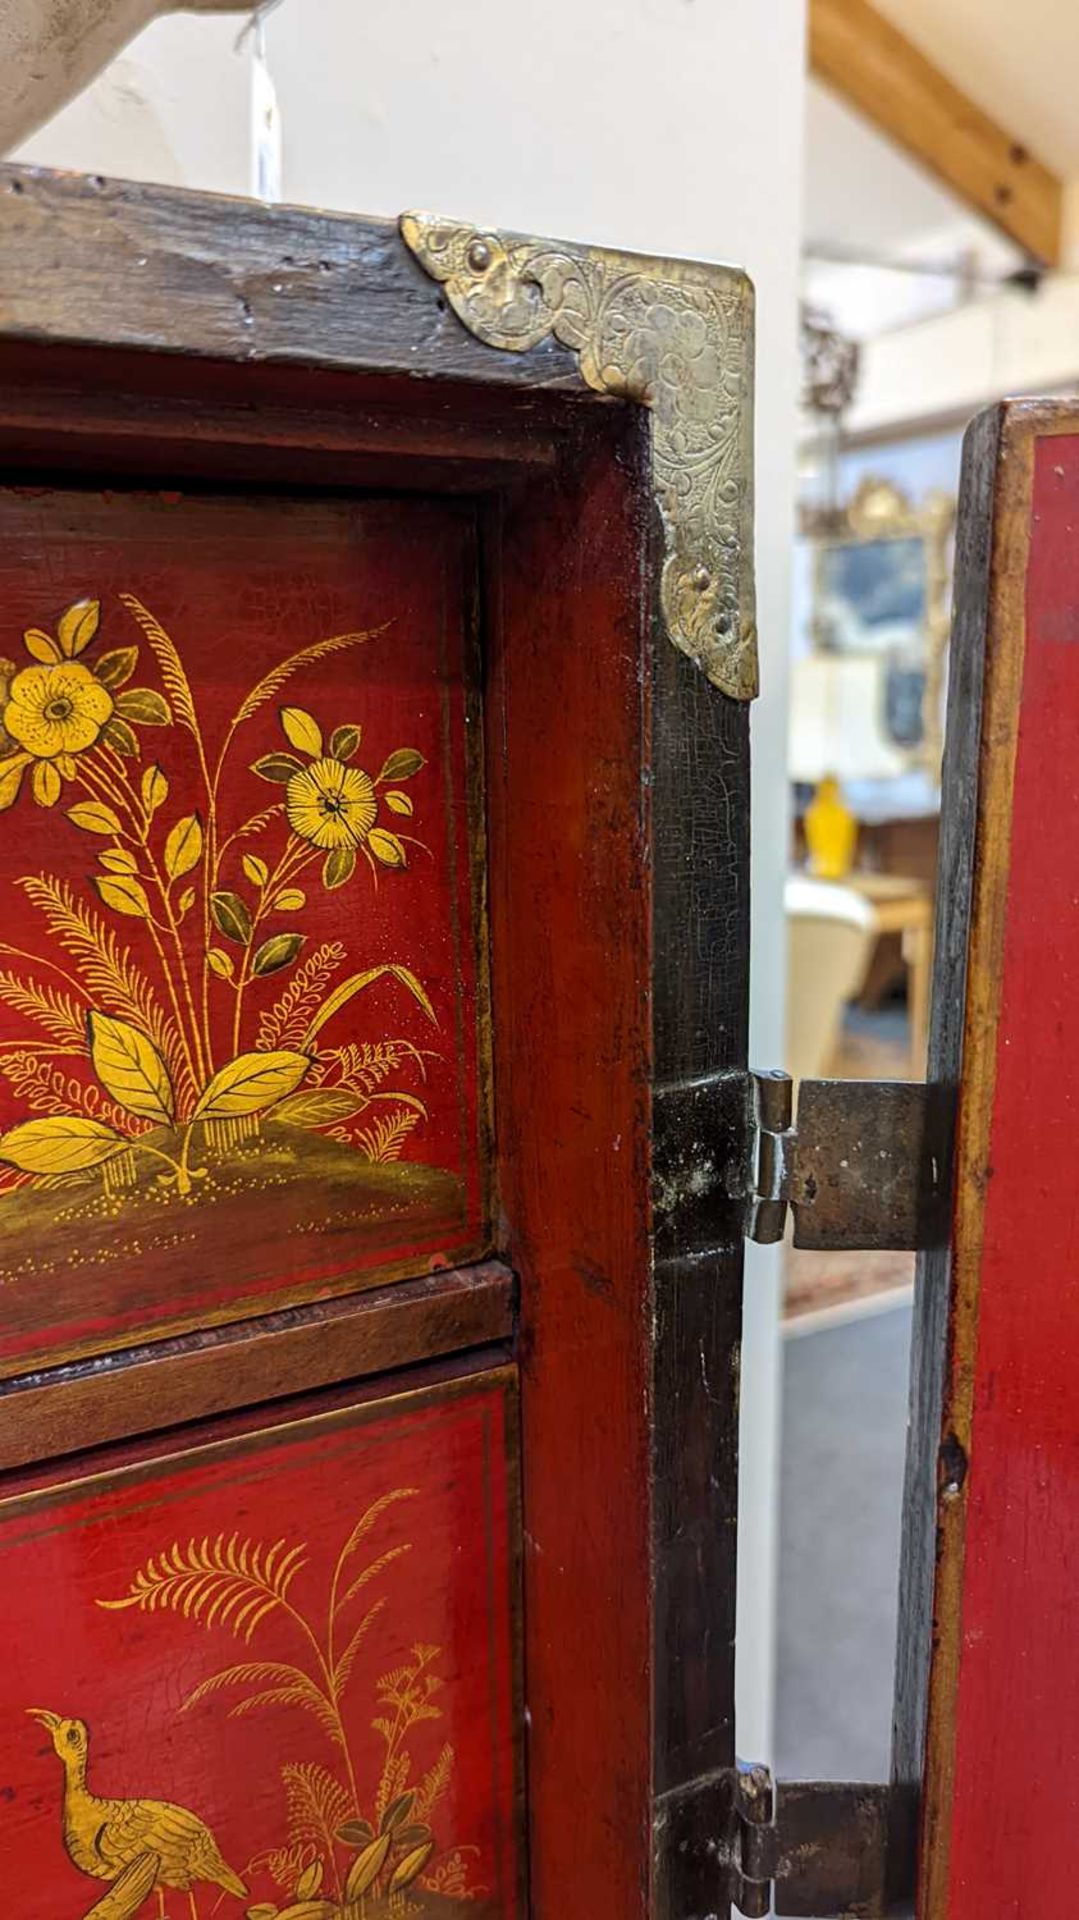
x,y
334,806
330,805
55,710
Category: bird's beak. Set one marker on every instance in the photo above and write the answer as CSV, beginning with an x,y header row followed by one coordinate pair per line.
x,y
47,1719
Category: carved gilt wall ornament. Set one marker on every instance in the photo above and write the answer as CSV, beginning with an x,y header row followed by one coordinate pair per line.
x,y
675,336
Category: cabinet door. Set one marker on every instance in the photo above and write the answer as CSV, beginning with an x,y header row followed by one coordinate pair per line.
x,y
995,1394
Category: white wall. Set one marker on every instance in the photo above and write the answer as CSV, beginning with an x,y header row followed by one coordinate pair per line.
x,y
665,125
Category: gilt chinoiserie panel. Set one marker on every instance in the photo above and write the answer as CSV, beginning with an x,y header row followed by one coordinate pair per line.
x,y
273,1675
241,997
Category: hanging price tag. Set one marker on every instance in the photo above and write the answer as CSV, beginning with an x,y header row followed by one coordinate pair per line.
x,y
265,122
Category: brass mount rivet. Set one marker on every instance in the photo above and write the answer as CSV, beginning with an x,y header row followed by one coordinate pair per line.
x,y
702,579
479,256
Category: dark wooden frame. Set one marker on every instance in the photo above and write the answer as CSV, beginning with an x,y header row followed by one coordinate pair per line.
x,y
156,333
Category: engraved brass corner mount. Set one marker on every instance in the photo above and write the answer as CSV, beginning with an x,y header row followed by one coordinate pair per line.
x,y
676,337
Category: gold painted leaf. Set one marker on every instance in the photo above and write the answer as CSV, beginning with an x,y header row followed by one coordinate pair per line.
x,y
355,983
310,1880
114,668
120,736
183,848
278,767
77,627
387,848
338,868
187,901
155,789
301,730
219,962
62,1144
319,1106
278,951
129,1067
251,1083
397,1812
256,870
123,894
118,860
401,765
41,646
355,1833
411,1866
398,802
47,784
265,1910
291,899
11,773
344,741
227,1581
145,707
93,816
309,1910
413,1836
367,1866
231,916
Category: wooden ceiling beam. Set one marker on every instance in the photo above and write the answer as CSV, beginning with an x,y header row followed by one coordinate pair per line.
x,y
868,61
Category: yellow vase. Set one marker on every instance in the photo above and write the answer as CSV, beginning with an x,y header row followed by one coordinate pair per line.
x,y
831,832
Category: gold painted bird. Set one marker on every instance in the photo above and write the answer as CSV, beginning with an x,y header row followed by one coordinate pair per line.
x,y
105,1837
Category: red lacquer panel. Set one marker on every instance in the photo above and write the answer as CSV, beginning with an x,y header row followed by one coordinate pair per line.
x,y
240,992
1013,1721
274,1669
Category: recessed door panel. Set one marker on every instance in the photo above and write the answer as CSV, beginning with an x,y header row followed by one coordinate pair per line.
x,y
275,1669
240,975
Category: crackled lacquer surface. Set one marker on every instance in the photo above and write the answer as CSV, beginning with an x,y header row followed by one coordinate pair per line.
x,y
239,1007
273,1675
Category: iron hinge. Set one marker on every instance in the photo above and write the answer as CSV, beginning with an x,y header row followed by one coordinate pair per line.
x,y
866,1164
818,1848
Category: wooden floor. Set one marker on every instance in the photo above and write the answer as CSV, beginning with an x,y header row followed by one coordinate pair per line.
x,y
874,1046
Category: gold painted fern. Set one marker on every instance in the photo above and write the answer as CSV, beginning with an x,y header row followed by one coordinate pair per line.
x,y
383,1141
292,1688
270,682
285,1023
433,1785
113,979
175,679
46,1088
56,1012
317,1805
366,1064
233,1582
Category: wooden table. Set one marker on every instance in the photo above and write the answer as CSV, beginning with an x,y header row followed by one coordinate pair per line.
x,y
903,906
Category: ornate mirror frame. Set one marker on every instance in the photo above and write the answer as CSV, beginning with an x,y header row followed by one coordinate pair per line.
x,y
879,510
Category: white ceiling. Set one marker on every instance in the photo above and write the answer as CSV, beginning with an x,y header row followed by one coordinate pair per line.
x,y
1020,62
863,197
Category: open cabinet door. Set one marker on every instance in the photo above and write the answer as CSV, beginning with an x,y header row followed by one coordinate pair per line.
x,y
991,1563
376,637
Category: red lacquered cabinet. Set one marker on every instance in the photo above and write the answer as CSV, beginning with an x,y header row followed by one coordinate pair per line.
x,y
376,636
